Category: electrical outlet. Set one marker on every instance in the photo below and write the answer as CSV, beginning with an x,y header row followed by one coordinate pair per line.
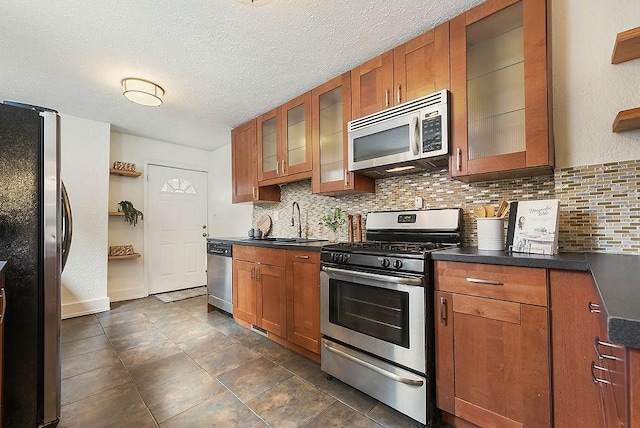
x,y
276,215
417,202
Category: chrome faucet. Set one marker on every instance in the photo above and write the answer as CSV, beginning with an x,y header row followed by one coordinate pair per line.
x,y
293,210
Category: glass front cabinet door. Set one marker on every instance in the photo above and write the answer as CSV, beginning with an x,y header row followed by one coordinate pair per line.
x,y
500,85
331,111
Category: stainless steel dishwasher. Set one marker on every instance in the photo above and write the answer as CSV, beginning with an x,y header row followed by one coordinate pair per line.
x,y
219,276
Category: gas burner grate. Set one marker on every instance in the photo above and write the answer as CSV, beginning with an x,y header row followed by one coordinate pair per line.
x,y
401,247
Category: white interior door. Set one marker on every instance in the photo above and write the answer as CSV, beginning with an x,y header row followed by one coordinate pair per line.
x,y
177,228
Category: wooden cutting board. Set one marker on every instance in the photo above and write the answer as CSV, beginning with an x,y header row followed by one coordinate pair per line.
x,y
264,224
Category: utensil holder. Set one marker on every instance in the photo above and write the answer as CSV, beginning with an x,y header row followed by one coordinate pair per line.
x,y
490,233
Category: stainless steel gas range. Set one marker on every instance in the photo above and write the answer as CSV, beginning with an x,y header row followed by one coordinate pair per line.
x,y
376,307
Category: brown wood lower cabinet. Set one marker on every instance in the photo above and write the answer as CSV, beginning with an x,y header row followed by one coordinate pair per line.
x,y
590,376
279,291
3,305
492,353
303,299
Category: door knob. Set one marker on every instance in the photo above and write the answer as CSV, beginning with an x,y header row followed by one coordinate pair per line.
x,y
204,226
204,234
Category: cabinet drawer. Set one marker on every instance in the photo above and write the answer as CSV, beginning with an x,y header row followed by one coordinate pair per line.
x,y
517,284
270,256
244,252
265,256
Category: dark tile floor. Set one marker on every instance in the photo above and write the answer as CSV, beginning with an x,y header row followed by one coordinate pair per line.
x,y
147,364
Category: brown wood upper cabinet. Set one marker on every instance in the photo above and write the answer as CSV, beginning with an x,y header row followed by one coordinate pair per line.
x,y
243,167
414,69
501,91
492,344
284,142
330,113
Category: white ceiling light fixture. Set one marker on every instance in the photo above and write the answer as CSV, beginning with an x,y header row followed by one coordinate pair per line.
x,y
142,91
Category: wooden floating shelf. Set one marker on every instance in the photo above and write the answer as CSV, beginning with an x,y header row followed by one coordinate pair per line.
x,y
129,256
125,173
116,213
627,120
627,46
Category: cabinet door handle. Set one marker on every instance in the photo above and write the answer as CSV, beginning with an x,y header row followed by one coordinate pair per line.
x,y
3,296
399,94
258,273
346,177
282,166
597,343
302,257
253,272
595,378
253,192
459,159
443,311
277,168
484,281
594,308
386,98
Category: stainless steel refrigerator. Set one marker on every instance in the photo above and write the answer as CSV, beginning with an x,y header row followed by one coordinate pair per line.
x,y
35,231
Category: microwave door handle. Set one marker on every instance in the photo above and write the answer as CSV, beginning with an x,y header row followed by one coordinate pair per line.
x,y
416,135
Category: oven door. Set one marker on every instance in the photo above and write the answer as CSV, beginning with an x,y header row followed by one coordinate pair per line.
x,y
382,314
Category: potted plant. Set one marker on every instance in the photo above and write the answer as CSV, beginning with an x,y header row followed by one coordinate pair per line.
x,y
333,220
131,214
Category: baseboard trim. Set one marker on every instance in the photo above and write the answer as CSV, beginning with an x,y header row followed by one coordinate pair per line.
x,y
77,309
127,294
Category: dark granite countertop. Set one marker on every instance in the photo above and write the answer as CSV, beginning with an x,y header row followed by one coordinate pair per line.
x,y
617,278
312,245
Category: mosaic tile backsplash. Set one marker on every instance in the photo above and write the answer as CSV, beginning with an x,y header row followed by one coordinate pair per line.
x,y
599,204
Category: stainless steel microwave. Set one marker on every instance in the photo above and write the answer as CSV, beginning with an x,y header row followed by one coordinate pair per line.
x,y
410,137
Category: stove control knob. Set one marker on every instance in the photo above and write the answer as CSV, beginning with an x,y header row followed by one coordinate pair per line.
x,y
385,263
345,258
334,257
397,264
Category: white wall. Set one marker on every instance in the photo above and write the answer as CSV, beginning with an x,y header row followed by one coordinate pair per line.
x,y
225,219
589,90
127,279
85,172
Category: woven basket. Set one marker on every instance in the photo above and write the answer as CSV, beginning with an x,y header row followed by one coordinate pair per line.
x,y
124,166
121,250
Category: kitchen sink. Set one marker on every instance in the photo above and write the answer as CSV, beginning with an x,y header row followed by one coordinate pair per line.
x,y
288,240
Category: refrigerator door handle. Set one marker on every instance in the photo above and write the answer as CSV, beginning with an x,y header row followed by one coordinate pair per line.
x,y
67,225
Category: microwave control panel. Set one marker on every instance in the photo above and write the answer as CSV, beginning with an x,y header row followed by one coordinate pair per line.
x,y
431,132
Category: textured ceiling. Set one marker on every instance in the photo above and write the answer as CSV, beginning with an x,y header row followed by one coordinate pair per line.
x,y
221,62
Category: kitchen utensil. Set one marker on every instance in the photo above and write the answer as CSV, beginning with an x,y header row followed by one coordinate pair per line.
x,y
264,224
479,211
502,209
358,228
350,221
489,211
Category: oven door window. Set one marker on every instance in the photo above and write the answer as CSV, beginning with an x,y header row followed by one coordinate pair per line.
x,y
376,312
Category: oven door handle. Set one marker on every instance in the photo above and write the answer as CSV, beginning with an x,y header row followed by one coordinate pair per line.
x,y
383,372
346,274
